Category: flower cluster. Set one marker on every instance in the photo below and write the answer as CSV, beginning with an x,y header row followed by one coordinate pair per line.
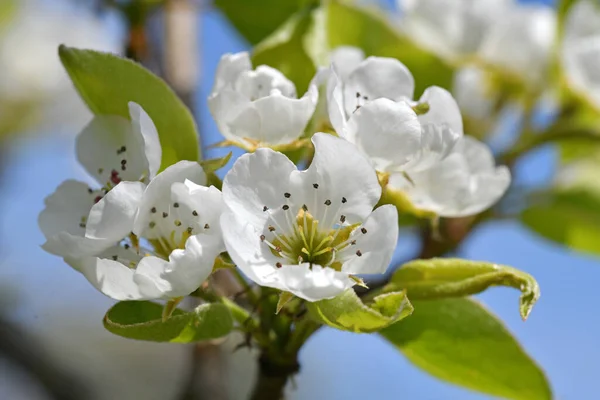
x,y
145,234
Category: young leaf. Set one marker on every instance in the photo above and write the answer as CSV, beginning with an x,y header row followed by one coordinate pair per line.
x,y
348,313
142,320
459,341
214,164
452,277
107,83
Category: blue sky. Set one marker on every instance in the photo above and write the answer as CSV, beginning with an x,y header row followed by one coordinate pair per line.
x,y
561,334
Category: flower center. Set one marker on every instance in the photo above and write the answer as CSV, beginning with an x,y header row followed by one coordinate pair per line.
x,y
300,237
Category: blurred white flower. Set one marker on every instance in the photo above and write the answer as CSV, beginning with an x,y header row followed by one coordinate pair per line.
x,y
451,28
32,75
472,92
521,41
307,232
178,216
258,108
581,49
464,183
112,149
373,108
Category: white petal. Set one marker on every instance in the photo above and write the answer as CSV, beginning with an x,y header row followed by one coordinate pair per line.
x,y
478,155
115,279
255,181
488,189
377,77
63,221
346,59
200,207
242,241
377,245
112,217
313,282
472,92
335,102
437,141
341,173
388,132
581,59
262,82
443,109
142,125
229,68
186,269
224,106
275,119
158,194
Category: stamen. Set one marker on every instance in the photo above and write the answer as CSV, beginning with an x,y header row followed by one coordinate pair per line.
x,y
153,210
195,213
165,214
206,226
115,258
176,205
262,238
316,185
278,265
265,208
342,218
358,253
177,222
287,195
271,228
285,207
327,202
344,200
152,224
363,230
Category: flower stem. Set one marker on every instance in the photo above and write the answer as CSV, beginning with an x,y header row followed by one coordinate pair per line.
x,y
273,376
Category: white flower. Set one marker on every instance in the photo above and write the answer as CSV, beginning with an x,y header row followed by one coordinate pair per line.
x,y
451,28
307,232
521,41
473,93
465,183
373,109
255,108
179,217
581,49
112,149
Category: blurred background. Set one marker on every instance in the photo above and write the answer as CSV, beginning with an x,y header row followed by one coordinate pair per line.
x,y
52,342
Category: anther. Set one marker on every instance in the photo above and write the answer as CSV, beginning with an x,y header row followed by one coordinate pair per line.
x,y
123,149
358,253
126,246
366,97
90,190
285,207
190,229
177,222
316,185
357,95
353,242
82,225
342,219
304,207
206,226
152,224
176,205
262,238
344,200
153,210
123,162
278,265
327,202
278,249
287,195
363,230
165,214
265,208
123,167
271,228
195,213
97,199
100,170
115,258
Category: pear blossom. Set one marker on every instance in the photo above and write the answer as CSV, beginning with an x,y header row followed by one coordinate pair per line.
x,y
522,41
464,183
178,216
307,232
373,108
581,49
258,108
112,149
451,28
473,93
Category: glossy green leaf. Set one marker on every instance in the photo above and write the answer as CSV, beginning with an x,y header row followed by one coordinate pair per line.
x,y
257,19
567,217
351,25
348,313
107,83
453,277
142,320
459,341
285,50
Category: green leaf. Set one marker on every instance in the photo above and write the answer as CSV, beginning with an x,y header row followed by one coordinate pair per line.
x,y
215,164
257,19
285,50
459,341
107,83
142,320
570,217
452,277
354,26
348,313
